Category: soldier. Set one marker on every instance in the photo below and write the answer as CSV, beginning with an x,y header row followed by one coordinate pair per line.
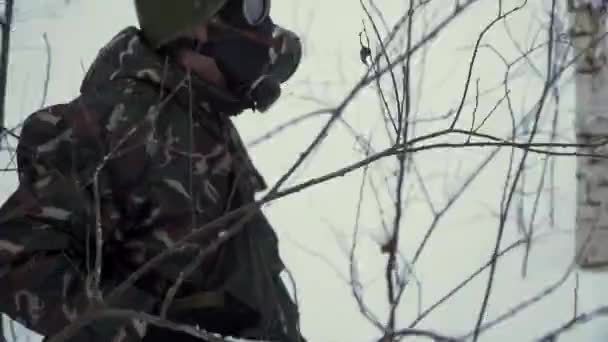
x,y
145,156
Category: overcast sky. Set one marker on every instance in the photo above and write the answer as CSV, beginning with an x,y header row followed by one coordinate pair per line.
x,y
315,226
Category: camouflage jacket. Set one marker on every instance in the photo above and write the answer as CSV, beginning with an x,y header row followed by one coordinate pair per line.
x,y
146,154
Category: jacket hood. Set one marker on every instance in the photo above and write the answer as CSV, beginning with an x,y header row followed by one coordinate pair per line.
x,y
128,56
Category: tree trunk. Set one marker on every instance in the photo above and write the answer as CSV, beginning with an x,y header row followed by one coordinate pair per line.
x,y
588,31
7,22
591,127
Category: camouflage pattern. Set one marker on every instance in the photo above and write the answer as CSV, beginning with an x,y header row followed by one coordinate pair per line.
x,y
146,153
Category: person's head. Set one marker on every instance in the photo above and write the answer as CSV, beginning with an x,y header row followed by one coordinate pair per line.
x,y
233,44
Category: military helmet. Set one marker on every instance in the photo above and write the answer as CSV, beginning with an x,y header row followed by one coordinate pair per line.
x,y
162,20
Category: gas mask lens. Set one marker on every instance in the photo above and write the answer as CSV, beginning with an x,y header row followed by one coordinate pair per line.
x,y
245,13
255,11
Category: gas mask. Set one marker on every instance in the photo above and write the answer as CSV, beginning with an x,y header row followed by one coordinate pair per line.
x,y
255,55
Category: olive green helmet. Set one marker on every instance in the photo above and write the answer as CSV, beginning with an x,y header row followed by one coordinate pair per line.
x,y
163,20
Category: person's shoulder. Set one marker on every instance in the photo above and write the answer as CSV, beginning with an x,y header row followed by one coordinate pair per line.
x,y
57,124
40,135
44,123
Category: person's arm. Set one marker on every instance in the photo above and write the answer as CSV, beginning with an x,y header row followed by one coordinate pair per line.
x,y
44,225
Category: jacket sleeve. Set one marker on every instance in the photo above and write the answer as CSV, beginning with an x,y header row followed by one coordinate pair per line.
x,y
47,226
61,158
87,167
52,197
